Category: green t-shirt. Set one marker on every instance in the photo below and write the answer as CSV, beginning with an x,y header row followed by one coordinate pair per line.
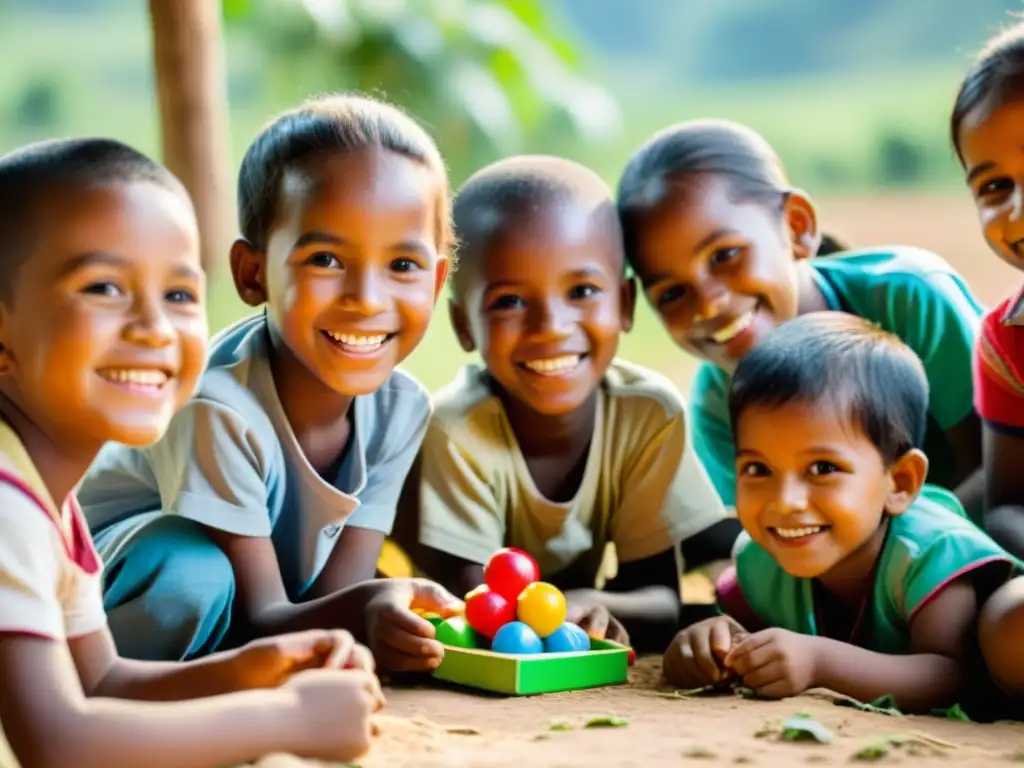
x,y
907,291
925,549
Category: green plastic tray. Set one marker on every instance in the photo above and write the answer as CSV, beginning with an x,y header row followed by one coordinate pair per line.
x,y
604,664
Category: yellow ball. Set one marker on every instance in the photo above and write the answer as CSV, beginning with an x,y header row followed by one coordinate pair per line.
x,y
541,606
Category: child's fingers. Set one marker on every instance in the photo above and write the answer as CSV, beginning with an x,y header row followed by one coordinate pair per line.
x,y
396,636
746,646
361,658
338,647
700,645
407,621
617,633
595,623
720,640
766,677
431,597
753,659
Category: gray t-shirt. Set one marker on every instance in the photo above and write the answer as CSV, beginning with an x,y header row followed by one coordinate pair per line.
x,y
230,461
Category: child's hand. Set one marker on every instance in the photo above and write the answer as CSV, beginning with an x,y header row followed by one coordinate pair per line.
x,y
333,713
400,640
697,654
596,620
776,663
269,661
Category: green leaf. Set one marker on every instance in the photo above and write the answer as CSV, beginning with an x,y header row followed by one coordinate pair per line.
x,y
954,713
606,721
561,725
803,727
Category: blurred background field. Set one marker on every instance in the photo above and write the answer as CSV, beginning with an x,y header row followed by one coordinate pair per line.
x,y
855,96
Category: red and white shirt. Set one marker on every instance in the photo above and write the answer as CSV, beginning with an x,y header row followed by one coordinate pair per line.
x,y
50,574
999,367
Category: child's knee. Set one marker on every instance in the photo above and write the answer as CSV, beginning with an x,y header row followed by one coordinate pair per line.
x,y
178,563
1001,635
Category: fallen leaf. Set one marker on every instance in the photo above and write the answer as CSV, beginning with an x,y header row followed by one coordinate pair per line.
x,y
884,705
803,727
561,725
699,753
606,721
462,730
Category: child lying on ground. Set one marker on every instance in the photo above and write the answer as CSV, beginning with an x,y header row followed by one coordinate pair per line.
x,y
852,574
102,337
554,445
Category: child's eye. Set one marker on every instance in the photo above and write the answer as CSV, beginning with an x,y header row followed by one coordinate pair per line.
x,y
508,301
754,469
108,289
181,296
995,186
323,259
823,468
670,294
583,291
724,256
404,265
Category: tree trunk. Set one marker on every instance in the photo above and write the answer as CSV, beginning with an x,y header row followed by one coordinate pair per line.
x,y
191,79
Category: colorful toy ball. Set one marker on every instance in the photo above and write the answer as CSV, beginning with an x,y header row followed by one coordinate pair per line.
x,y
568,638
516,637
487,611
542,607
509,571
455,631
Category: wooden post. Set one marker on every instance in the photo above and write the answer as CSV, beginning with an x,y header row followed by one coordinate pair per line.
x,y
191,80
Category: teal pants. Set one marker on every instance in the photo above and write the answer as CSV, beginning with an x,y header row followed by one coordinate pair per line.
x,y
169,591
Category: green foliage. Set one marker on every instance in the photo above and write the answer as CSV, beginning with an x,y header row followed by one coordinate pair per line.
x,y
487,76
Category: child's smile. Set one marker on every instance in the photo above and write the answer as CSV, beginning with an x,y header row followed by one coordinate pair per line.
x,y
810,487
121,280
546,305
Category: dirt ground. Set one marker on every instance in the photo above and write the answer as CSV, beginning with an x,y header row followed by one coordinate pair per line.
x,y
438,726
431,726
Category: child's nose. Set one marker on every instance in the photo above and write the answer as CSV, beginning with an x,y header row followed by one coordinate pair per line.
x,y
552,318
151,326
364,292
710,303
792,496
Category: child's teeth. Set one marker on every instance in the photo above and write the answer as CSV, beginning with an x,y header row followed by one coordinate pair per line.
x,y
553,364
135,376
352,340
796,533
733,329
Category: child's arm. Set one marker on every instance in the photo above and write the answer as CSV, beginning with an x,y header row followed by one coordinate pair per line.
x,y
50,723
265,663
777,663
357,551
999,398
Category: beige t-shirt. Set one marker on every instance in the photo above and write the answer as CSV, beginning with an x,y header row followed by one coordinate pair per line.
x,y
643,490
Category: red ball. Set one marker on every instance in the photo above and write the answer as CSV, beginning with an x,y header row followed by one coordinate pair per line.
x,y
487,611
510,571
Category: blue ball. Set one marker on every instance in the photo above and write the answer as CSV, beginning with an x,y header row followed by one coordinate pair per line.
x,y
582,639
562,640
516,637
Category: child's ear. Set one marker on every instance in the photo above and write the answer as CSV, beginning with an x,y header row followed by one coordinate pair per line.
x,y
906,476
627,307
802,222
442,270
460,323
249,270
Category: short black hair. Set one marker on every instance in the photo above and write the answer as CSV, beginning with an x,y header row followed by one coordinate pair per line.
x,y
35,171
864,371
499,194
685,153
345,122
995,76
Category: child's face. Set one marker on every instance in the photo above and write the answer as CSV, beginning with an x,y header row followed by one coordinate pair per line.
x,y
351,273
721,274
811,488
992,148
545,305
105,335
